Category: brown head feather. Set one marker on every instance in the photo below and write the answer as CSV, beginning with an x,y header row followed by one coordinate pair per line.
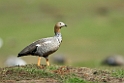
x,y
58,26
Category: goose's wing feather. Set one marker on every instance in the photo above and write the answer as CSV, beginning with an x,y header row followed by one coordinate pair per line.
x,y
30,49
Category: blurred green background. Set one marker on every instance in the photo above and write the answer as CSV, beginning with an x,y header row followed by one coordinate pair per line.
x,y
95,28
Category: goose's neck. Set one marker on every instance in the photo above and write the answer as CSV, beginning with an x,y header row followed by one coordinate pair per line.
x,y
57,31
59,37
58,34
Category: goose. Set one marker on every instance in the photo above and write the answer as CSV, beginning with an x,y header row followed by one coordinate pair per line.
x,y
45,46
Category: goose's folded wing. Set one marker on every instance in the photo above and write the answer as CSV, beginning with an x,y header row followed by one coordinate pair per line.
x,y
30,49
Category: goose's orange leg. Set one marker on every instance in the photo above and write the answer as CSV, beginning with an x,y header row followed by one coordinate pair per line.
x,y
39,59
47,62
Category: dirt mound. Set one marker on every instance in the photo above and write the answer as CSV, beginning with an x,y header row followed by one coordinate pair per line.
x,y
57,74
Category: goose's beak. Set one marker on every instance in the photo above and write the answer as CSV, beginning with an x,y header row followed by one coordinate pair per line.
x,y
65,25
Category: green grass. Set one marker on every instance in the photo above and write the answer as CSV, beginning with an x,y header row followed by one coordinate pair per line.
x,y
119,73
95,28
75,80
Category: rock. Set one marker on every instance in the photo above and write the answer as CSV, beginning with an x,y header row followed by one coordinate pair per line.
x,y
1,42
114,60
59,59
14,61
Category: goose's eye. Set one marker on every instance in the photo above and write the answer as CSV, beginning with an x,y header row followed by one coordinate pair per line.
x,y
60,23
